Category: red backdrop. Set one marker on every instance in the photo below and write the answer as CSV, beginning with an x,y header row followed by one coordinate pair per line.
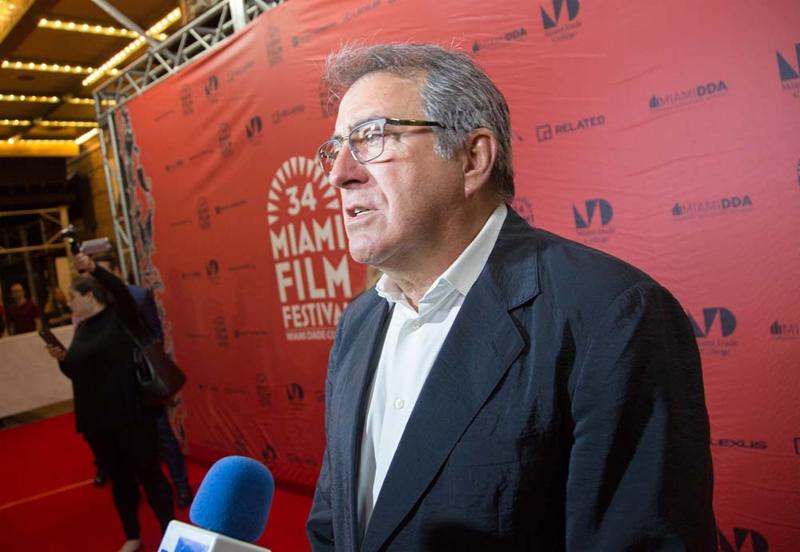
x,y
663,132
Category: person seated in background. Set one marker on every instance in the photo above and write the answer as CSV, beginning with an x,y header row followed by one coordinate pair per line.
x,y
56,310
22,314
109,409
169,447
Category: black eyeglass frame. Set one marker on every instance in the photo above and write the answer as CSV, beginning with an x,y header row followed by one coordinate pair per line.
x,y
383,121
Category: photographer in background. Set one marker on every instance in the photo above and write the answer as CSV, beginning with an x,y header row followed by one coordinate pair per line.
x,y
109,410
169,448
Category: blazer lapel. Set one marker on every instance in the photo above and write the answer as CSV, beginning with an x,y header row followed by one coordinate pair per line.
x,y
477,352
350,415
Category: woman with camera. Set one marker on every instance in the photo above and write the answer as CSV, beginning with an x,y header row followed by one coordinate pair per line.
x,y
109,410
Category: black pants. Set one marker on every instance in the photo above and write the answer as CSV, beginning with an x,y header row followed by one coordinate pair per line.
x,y
129,454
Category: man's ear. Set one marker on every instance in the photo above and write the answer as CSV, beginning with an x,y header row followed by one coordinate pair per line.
x,y
480,154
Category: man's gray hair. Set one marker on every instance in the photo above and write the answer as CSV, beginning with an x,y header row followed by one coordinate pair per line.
x,y
455,92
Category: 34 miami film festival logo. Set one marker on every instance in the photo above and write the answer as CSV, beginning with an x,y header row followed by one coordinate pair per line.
x,y
714,331
593,220
559,24
789,71
309,250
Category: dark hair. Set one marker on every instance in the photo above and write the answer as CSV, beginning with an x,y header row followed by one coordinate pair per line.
x,y
84,283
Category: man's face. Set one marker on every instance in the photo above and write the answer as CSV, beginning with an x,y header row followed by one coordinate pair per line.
x,y
18,294
403,197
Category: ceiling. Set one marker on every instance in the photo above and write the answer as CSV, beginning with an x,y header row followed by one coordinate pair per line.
x,y
29,42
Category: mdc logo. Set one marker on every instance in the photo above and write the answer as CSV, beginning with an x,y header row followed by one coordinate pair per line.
x,y
592,206
740,538
727,322
253,128
211,87
786,70
549,21
295,392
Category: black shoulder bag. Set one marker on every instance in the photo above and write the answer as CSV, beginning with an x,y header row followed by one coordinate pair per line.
x,y
158,376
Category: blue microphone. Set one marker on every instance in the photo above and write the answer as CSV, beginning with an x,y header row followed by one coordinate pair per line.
x,y
230,510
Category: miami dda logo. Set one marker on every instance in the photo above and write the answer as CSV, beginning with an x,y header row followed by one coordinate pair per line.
x,y
548,132
714,331
712,207
499,40
784,330
789,71
560,24
687,96
593,220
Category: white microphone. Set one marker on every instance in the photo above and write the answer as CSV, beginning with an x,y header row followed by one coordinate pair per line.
x,y
230,510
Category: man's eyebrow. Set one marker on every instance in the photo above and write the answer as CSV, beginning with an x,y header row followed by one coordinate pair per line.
x,y
350,128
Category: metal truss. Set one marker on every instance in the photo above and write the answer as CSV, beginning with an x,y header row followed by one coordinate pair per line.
x,y
202,35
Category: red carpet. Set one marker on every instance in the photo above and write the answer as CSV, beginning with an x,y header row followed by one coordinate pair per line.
x,y
47,501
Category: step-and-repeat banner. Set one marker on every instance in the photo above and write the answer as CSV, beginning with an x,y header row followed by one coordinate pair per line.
x,y
666,133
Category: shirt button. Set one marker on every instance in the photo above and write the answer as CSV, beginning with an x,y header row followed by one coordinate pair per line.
x,y
399,404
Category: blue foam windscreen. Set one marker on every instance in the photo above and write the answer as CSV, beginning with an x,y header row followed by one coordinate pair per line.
x,y
234,499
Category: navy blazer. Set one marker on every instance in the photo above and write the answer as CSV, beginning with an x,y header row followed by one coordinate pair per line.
x,y
565,411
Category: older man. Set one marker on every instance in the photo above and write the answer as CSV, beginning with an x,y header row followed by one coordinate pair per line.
x,y
501,388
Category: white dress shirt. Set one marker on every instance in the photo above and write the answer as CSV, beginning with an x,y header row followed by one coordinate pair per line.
x,y
412,343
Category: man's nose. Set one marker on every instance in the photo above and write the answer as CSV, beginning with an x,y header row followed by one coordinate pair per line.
x,y
346,171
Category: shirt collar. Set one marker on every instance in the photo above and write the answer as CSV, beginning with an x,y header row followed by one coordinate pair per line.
x,y
463,273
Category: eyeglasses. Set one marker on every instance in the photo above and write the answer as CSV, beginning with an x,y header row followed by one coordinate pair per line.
x,y
365,141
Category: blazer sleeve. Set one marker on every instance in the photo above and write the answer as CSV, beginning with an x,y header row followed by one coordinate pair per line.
x,y
320,520
640,475
149,312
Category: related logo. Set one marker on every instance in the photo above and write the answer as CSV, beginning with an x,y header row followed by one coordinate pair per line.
x,y
716,317
203,213
221,331
786,70
757,542
243,69
522,205
212,271
274,46
175,165
739,443
253,129
186,100
295,393
544,133
593,207
499,40
281,114
361,10
190,275
784,330
711,207
211,87
263,391
548,132
688,96
556,28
